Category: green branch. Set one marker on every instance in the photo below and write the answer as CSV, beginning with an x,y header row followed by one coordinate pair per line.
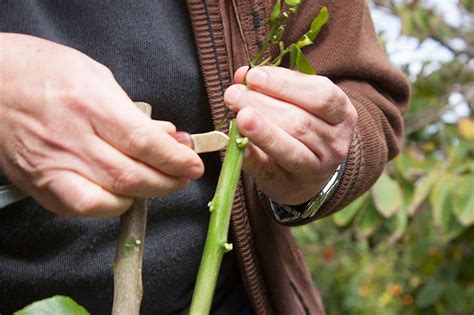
x,y
220,208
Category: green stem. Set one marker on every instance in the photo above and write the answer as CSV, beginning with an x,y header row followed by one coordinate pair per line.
x,y
220,208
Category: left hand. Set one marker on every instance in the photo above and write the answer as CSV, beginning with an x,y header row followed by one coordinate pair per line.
x,y
300,128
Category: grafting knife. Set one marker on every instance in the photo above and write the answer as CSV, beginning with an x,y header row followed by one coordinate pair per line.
x,y
200,143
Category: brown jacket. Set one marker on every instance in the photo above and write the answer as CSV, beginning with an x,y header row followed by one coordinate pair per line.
x,y
228,33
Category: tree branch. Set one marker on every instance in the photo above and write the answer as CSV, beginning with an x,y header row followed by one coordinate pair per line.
x,y
127,265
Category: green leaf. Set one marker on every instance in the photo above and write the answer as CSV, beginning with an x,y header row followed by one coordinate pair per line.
x,y
439,200
293,3
429,294
275,12
345,216
293,54
304,41
302,64
463,200
318,23
56,305
455,297
398,225
422,191
387,195
369,222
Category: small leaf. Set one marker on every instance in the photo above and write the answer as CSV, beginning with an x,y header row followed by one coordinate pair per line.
x,y
438,199
429,294
463,200
455,297
304,41
302,64
368,222
441,199
293,3
293,55
387,195
57,305
398,224
275,12
422,191
318,23
345,216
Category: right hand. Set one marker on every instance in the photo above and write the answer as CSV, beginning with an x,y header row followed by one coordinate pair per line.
x,y
73,139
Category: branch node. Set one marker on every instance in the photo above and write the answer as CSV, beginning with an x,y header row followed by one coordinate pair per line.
x,y
211,206
228,247
241,142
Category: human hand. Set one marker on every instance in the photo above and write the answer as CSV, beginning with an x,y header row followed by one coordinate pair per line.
x,y
73,139
300,128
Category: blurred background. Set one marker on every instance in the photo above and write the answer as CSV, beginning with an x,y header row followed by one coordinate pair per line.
x,y
407,246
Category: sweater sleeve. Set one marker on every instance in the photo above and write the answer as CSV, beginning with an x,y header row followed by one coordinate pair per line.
x,y
347,51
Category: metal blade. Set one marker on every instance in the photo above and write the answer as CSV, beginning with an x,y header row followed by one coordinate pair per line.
x,y
209,141
10,194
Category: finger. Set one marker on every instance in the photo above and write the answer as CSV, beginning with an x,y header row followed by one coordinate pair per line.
x,y
70,194
119,174
258,164
307,128
316,94
137,136
239,76
292,155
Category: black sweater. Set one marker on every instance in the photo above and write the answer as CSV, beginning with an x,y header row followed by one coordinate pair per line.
x,y
149,47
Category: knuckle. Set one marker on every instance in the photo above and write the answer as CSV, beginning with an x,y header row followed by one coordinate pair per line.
x,y
332,100
352,117
339,152
137,140
302,125
126,180
104,70
169,126
72,93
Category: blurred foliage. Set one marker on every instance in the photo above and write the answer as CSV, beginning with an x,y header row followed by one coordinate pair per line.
x,y
406,246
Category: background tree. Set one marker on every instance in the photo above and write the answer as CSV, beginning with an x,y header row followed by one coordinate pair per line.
x,y
406,247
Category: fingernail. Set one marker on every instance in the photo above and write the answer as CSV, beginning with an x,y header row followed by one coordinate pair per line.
x,y
257,77
183,138
253,123
232,94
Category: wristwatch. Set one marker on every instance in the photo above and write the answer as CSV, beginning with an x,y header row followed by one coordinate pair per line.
x,y
293,214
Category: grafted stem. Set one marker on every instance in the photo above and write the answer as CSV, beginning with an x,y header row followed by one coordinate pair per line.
x,y
127,265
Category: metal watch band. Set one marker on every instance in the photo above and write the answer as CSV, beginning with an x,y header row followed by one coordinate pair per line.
x,y
290,214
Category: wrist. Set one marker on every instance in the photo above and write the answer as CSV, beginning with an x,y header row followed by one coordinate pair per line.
x,y
295,213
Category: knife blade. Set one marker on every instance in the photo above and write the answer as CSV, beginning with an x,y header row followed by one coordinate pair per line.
x,y
10,194
203,142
